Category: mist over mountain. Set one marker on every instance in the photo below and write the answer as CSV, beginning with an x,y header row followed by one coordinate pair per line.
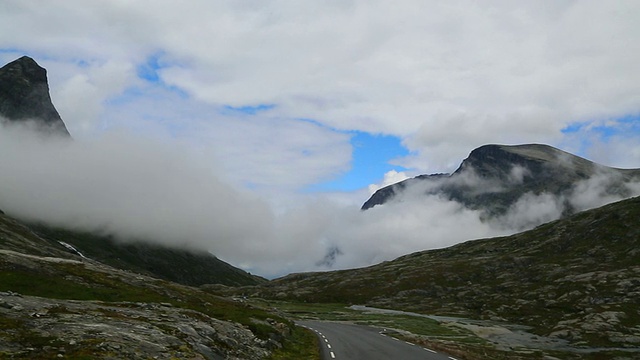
x,y
501,181
164,191
137,188
25,99
58,179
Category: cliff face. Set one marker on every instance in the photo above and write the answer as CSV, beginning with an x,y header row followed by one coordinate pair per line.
x,y
24,97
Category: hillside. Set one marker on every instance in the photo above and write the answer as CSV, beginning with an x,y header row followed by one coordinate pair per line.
x,y
186,267
494,177
575,279
56,304
172,264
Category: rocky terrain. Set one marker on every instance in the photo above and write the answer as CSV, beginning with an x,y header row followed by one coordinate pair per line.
x,y
56,304
494,177
24,97
576,279
77,295
42,328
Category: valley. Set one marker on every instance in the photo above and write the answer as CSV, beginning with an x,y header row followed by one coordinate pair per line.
x,y
533,295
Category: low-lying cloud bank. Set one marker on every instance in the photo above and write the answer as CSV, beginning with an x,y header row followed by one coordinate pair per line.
x,y
166,193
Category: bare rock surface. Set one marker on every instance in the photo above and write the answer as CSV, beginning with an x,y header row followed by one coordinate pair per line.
x,y
124,330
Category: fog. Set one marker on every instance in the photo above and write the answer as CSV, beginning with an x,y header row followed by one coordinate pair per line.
x,y
165,192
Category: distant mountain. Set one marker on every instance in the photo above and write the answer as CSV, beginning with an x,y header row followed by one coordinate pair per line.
x,y
24,97
576,279
494,177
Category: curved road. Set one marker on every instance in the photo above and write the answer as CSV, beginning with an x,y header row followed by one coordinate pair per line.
x,y
355,342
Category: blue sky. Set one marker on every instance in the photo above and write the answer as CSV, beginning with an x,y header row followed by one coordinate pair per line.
x,y
372,157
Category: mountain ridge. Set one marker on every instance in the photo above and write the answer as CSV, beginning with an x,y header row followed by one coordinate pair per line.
x,y
494,177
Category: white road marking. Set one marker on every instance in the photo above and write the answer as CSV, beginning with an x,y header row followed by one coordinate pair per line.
x,y
333,356
412,344
452,358
325,340
328,345
429,350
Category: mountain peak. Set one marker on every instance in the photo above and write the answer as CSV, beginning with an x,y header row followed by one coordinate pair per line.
x,y
494,177
498,161
28,68
24,96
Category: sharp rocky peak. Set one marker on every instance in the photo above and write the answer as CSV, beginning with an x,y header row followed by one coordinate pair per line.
x,y
24,97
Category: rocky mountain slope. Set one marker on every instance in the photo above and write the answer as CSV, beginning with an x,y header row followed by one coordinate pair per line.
x,y
494,177
24,97
576,279
57,304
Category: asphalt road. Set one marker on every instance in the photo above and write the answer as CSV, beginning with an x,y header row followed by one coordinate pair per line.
x,y
357,342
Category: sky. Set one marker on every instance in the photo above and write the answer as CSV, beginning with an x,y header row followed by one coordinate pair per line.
x,y
293,113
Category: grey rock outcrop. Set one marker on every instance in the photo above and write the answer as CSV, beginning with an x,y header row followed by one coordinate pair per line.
x,y
25,99
125,330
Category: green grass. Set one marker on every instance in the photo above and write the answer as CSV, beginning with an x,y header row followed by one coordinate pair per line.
x,y
301,345
56,286
456,342
341,312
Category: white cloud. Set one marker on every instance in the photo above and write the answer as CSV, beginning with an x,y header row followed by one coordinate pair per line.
x,y
532,210
390,177
445,76
263,151
167,192
80,98
136,187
